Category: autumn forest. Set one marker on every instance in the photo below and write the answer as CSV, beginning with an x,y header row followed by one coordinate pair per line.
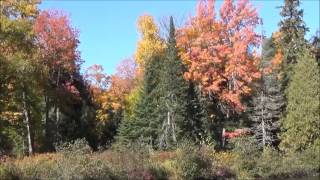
x,y
212,98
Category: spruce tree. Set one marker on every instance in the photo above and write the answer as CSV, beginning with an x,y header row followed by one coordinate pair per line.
x,y
169,109
293,30
292,42
145,124
302,122
126,135
198,124
174,112
268,102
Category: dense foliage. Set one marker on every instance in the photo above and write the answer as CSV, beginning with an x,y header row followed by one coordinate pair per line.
x,y
201,103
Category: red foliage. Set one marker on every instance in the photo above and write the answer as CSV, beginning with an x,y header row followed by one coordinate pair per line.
x,y
236,133
58,40
219,52
58,43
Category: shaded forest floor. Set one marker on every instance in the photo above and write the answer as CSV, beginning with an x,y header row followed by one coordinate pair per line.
x,y
187,161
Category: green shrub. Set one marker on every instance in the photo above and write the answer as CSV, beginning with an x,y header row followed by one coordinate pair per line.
x,y
246,153
133,162
38,167
311,157
303,163
73,161
8,171
222,163
158,171
77,162
270,163
191,162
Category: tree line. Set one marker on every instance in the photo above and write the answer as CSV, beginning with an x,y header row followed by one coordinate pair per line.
x,y
206,76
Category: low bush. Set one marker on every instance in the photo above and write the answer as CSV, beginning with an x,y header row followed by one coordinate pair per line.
x,y
304,163
250,162
8,171
72,161
223,161
134,162
77,161
269,164
42,166
246,154
191,162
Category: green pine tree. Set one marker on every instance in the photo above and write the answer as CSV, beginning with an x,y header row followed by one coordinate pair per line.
x,y
302,122
168,110
144,126
198,126
173,111
293,30
181,111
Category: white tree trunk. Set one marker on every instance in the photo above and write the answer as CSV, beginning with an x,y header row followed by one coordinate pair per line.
x,y
27,122
263,133
263,123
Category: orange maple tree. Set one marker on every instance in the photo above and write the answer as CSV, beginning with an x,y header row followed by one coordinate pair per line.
x,y
97,79
109,92
220,52
123,81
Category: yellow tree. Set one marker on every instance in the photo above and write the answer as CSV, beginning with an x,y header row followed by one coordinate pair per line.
x,y
150,43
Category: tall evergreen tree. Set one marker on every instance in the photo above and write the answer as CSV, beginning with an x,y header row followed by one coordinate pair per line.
x,y
198,125
169,109
268,101
177,123
293,29
302,122
145,125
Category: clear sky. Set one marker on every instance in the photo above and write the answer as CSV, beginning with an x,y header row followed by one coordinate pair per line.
x,y
108,30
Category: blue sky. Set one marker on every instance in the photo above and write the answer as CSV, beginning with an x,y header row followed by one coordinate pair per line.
x,y
108,30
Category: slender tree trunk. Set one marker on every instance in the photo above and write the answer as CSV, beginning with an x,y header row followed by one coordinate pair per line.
x,y
57,111
27,122
46,118
263,133
48,126
23,143
223,137
57,115
168,130
262,122
173,129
